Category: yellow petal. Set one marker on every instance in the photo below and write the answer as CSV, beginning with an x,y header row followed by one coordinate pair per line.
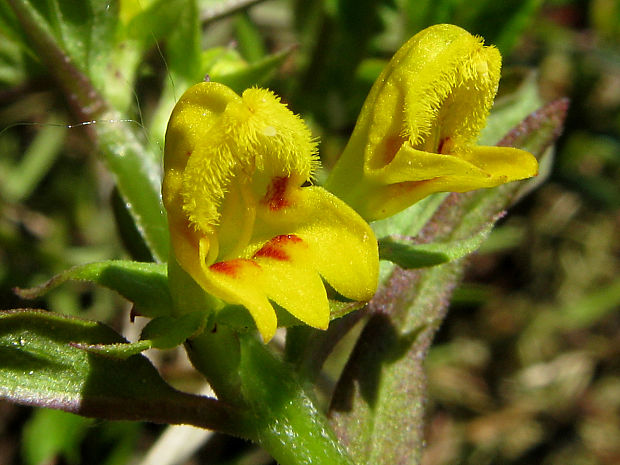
x,y
504,162
291,281
241,281
411,164
342,247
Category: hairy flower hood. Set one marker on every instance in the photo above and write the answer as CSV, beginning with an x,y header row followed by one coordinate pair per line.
x,y
417,131
242,226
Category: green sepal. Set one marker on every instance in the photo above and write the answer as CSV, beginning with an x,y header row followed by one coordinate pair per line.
x,y
167,332
144,284
164,332
409,255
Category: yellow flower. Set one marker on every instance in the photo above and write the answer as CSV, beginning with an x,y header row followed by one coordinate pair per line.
x,y
244,224
417,130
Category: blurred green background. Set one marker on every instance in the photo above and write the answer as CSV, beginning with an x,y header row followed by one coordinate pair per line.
x,y
526,368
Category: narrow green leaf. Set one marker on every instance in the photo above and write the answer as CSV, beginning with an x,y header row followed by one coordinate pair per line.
x,y
409,222
523,15
13,70
144,284
254,74
49,434
19,182
250,39
591,308
184,48
184,63
40,365
338,309
156,21
408,255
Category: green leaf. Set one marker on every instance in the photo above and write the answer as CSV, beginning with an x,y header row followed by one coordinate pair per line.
x,y
18,182
591,308
144,284
157,20
12,62
183,47
250,39
409,222
51,433
408,255
119,350
184,65
523,15
254,74
40,365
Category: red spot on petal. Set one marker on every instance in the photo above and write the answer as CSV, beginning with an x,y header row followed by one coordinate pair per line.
x,y
275,194
275,248
232,267
188,153
392,145
442,146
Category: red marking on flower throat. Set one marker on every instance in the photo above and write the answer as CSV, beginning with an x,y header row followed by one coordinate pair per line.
x,y
232,267
275,194
275,247
392,145
442,146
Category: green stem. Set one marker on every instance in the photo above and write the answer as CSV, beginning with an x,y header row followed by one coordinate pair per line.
x,y
278,412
